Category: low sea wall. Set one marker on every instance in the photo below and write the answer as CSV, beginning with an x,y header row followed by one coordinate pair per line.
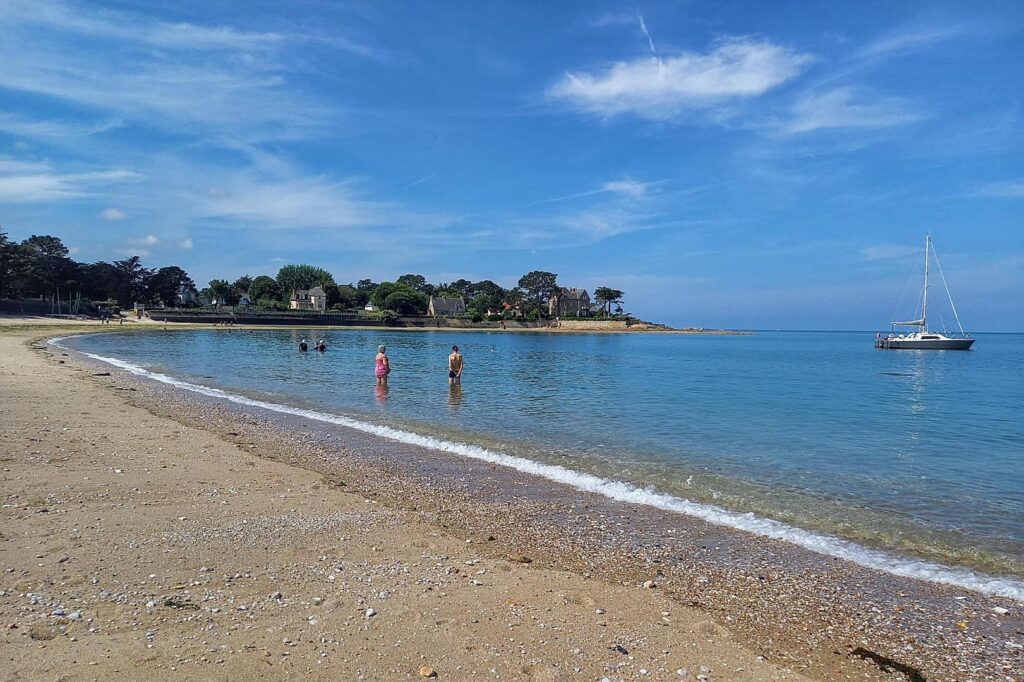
x,y
327,320
593,325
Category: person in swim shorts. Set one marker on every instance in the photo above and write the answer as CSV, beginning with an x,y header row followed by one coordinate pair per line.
x,y
455,364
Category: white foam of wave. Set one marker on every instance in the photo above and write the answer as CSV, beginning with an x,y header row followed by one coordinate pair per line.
x,y
627,492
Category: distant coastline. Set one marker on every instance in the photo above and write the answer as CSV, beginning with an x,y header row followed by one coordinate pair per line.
x,y
278,320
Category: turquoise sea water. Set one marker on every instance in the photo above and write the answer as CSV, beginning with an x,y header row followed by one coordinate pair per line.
x,y
918,452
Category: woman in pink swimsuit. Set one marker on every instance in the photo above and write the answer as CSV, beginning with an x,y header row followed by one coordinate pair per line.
x,y
382,368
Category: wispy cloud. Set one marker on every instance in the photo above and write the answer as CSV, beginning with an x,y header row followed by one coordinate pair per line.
x,y
848,107
628,187
186,243
1012,189
662,88
33,182
138,246
647,34
426,178
112,214
890,252
913,37
25,127
300,202
182,74
106,24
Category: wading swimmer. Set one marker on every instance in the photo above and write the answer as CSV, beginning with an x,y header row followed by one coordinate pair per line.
x,y
303,345
381,367
321,346
455,366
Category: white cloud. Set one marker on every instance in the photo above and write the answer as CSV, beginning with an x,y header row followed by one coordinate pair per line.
x,y
662,88
111,214
33,182
186,243
848,107
148,240
139,246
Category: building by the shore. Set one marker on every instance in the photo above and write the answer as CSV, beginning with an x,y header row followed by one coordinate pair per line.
x,y
446,307
309,299
569,302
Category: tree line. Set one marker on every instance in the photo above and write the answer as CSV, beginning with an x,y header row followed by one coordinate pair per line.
x,y
41,266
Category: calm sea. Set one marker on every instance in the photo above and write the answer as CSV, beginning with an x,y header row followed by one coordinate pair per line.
x,y
917,453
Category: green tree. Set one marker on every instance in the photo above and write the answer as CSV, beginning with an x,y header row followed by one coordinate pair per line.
x,y
486,295
539,286
165,284
222,290
264,288
607,296
413,302
406,301
132,279
9,261
349,297
417,282
302,276
381,292
100,281
44,265
293,277
479,304
461,287
241,286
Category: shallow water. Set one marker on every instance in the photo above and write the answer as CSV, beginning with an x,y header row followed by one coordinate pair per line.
x,y
919,452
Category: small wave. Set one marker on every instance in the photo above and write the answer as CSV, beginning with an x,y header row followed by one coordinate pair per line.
x,y
626,492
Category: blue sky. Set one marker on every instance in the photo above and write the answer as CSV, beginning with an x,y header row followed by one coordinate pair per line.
x,y
744,164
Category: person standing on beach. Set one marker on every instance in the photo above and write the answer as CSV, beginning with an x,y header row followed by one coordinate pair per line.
x,y
455,363
382,367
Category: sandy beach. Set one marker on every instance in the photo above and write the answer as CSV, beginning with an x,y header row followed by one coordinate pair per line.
x,y
151,534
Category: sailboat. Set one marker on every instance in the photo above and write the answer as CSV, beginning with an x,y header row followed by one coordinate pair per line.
x,y
922,339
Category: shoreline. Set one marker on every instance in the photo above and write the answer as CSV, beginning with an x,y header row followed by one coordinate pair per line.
x,y
819,542
163,543
737,561
146,323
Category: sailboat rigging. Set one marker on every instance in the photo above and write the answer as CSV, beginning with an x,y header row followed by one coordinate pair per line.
x,y
922,339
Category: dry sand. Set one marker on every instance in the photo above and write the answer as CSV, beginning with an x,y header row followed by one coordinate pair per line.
x,y
134,547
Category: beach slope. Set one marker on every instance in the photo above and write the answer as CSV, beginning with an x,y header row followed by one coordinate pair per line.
x,y
137,547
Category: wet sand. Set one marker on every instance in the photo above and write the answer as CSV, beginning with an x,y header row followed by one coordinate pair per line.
x,y
245,491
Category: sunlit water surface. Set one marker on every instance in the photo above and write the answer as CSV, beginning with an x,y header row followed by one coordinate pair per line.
x,y
919,452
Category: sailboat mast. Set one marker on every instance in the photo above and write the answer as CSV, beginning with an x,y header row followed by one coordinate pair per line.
x,y
924,304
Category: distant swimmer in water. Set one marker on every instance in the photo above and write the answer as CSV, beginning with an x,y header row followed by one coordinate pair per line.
x,y
321,346
303,345
455,366
382,366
